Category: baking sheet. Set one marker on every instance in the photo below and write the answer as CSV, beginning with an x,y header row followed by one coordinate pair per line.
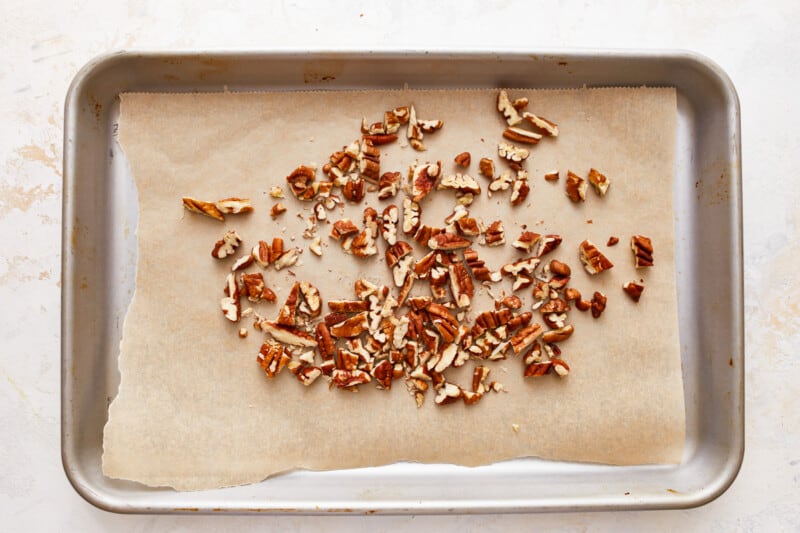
x,y
622,404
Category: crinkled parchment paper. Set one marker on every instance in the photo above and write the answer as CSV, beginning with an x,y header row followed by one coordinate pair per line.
x,y
194,410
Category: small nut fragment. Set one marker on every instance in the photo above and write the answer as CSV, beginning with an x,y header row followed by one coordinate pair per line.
x,y
521,135
276,192
548,128
495,234
512,153
411,216
508,110
593,260
277,209
316,246
486,168
463,159
388,185
598,304
599,181
526,241
235,206
204,208
642,251
551,176
227,245
242,333
463,183
612,241
634,290
576,187
423,178
519,191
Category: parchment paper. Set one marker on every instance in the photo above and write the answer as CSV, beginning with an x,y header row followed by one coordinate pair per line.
x,y
194,410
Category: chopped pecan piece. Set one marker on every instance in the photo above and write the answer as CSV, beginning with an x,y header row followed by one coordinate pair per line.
x,y
231,307
287,258
288,312
537,369
423,267
383,373
255,289
343,228
576,187
277,209
593,260
426,233
448,393
350,378
380,139
276,192
369,157
463,159
511,153
287,334
526,241
235,206
301,182
521,135
634,290
388,185
242,263
312,302
354,189
461,284
599,181
560,269
598,304
527,266
560,366
411,216
501,183
272,357
417,128
316,246
547,244
558,335
525,337
396,252
519,191
447,241
571,294
555,305
545,126
423,178
642,251
479,376
478,267
352,327
463,183
551,176
508,110
325,343
227,245
486,167
204,208
468,227
348,306
495,234
612,241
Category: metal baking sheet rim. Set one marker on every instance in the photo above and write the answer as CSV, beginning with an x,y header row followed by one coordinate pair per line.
x,y
714,459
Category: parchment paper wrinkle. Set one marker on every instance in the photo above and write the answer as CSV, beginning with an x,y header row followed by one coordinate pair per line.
x,y
194,411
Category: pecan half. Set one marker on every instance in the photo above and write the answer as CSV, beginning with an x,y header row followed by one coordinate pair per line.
x,y
558,335
227,245
203,208
593,260
525,337
642,251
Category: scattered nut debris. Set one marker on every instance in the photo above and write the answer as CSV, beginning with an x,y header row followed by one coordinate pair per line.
x,y
276,192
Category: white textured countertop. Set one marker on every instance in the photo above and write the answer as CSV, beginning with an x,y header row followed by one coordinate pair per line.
x,y
43,46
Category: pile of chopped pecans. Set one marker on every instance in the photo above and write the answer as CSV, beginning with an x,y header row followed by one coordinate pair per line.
x,y
383,333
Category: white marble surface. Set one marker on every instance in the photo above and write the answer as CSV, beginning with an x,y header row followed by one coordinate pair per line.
x,y
44,43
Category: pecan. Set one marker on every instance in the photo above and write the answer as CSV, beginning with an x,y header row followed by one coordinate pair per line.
x,y
519,191
642,251
560,366
599,181
598,304
426,233
231,307
204,208
461,284
576,187
525,337
388,185
447,241
486,167
508,110
526,266
547,244
287,259
526,241
522,281
417,128
396,252
242,263
369,166
349,378
479,376
462,183
227,245
316,246
276,192
521,135
242,333
345,360
311,299
468,227
301,182
560,269
383,373
235,206
411,216
501,183
288,312
348,306
380,138
354,189
363,245
537,369
418,303
308,374
495,234
343,228
405,289
555,305
272,357
583,305
255,289
634,290
593,260
352,327
520,103
511,153
555,320
325,343
510,302
478,267
448,393
612,241
423,178
545,126
459,212
424,265
287,334
551,176
558,335
444,359
463,159
261,254
571,294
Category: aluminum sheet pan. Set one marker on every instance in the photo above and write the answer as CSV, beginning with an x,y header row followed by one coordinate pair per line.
x,y
99,261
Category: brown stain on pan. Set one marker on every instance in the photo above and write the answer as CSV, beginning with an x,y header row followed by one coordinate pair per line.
x,y
315,72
